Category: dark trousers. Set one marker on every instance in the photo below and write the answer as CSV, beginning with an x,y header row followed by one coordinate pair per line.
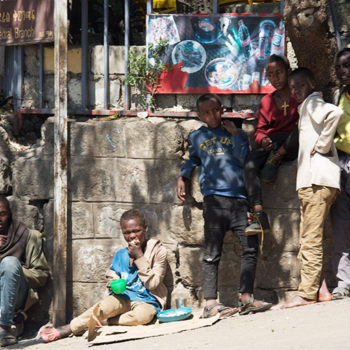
x,y
220,215
257,161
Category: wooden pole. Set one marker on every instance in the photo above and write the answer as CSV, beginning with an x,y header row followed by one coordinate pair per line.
x,y
60,167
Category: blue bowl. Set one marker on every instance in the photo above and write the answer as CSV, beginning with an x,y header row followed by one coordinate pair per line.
x,y
173,315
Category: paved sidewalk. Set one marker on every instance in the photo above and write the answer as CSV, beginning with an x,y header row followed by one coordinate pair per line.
x,y
318,326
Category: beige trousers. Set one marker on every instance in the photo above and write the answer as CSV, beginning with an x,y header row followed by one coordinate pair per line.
x,y
315,203
123,312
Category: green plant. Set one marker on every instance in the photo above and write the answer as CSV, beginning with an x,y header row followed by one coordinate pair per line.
x,y
145,74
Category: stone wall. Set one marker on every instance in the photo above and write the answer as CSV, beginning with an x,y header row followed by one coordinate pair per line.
x,y
120,164
133,163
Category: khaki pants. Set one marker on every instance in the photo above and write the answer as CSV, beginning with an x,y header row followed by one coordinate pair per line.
x,y
129,313
315,205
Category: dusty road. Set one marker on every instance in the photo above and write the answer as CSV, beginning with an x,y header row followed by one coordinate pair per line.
x,y
319,326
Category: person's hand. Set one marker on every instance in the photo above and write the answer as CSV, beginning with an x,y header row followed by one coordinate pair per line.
x,y
266,144
109,284
181,188
230,127
111,275
134,249
329,154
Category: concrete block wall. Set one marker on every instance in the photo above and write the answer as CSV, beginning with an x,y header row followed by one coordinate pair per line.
x,y
178,102
133,163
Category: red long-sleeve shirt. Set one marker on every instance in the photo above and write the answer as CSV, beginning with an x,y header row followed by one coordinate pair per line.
x,y
272,121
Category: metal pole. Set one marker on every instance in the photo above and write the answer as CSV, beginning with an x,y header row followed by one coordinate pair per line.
x,y
106,55
149,7
126,51
19,77
282,7
335,25
60,167
215,6
41,75
84,54
149,11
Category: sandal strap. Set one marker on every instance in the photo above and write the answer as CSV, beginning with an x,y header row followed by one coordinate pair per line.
x,y
212,306
344,292
220,309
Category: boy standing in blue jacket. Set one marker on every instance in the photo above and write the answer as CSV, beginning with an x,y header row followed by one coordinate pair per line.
x,y
220,149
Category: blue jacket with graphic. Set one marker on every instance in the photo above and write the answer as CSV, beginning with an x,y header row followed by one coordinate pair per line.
x,y
221,157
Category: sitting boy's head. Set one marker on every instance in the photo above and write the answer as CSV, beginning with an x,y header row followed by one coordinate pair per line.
x,y
134,227
283,60
210,109
342,66
301,83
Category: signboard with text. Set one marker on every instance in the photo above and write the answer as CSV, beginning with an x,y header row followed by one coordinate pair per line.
x,y
26,21
223,53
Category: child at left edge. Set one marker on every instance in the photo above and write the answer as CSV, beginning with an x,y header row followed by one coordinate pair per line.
x,y
220,149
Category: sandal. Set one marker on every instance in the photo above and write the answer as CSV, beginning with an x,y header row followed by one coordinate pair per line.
x,y
6,338
222,310
340,293
253,305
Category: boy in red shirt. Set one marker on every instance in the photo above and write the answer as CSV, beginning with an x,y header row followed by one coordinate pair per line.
x,y
276,136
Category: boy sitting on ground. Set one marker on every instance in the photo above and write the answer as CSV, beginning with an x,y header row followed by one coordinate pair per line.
x,y
318,180
143,265
220,149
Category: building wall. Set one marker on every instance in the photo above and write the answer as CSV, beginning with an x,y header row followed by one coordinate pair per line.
x,y
119,164
133,163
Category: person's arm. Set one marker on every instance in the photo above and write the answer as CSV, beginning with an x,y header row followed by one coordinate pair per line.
x,y
328,115
186,170
111,275
262,126
35,267
152,276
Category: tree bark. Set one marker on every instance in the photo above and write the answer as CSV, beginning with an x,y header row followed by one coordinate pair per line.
x,y
315,48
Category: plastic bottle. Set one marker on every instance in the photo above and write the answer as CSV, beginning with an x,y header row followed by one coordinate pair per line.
x,y
278,35
277,48
244,37
265,38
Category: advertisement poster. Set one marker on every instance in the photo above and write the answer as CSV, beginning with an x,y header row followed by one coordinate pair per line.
x,y
224,53
26,21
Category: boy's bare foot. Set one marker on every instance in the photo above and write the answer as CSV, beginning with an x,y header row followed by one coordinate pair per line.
x,y
297,301
323,293
51,334
324,297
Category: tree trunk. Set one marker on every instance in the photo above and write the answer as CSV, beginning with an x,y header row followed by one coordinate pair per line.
x,y
315,48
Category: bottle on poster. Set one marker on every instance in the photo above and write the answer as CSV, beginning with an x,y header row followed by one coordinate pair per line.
x,y
277,40
244,37
265,39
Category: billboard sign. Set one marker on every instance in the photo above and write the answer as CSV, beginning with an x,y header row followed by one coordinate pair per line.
x,y
26,21
223,53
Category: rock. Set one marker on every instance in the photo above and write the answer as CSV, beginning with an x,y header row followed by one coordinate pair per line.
x,y
183,224
190,266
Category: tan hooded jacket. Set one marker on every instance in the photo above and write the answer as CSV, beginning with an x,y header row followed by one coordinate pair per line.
x,y
151,270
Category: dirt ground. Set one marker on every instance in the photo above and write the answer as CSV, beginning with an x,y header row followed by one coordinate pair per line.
x,y
318,326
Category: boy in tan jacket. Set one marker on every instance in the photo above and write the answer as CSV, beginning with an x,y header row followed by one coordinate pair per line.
x,y
143,265
318,182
